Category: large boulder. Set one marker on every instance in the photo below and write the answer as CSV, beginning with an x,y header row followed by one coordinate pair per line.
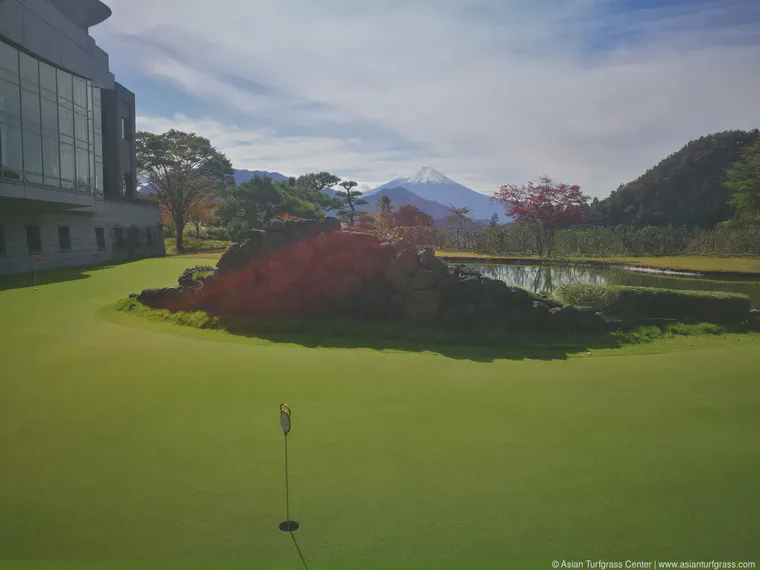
x,y
421,307
329,224
407,261
353,241
428,260
242,253
424,279
366,265
339,285
161,298
273,241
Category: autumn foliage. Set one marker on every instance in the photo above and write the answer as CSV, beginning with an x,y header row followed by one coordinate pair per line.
x,y
544,206
411,216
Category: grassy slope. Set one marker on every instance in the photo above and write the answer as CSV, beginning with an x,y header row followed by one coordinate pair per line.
x,y
682,262
125,438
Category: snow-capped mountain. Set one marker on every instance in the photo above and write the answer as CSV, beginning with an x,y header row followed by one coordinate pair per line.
x,y
430,184
401,197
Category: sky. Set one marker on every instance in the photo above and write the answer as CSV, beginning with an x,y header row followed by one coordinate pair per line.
x,y
488,92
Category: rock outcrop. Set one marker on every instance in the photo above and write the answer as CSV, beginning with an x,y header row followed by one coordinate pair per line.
x,y
312,268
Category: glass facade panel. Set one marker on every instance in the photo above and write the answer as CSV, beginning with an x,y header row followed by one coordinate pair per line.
x,y
80,127
64,85
10,152
50,125
49,118
32,157
66,121
29,67
30,110
51,162
83,169
98,182
8,58
10,103
80,92
47,79
67,165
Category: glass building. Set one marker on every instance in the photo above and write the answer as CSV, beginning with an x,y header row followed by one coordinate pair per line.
x,y
50,125
67,149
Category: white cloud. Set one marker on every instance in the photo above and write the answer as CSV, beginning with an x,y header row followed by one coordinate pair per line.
x,y
486,92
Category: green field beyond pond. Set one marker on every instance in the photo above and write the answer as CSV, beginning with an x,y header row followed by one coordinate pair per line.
x,y
124,438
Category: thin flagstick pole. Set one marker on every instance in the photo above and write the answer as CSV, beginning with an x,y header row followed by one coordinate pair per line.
x,y
287,491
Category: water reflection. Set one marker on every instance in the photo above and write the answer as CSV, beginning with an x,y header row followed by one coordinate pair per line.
x,y
539,278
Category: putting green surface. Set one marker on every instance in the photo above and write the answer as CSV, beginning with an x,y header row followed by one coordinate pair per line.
x,y
123,438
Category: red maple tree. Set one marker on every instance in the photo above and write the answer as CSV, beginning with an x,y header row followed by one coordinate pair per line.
x,y
409,215
544,206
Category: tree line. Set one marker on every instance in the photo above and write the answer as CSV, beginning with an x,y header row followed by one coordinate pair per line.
x,y
193,182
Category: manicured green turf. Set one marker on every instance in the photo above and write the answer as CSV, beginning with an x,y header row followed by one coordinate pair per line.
x,y
124,438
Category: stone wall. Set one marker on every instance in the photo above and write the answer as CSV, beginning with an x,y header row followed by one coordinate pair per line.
x,y
311,268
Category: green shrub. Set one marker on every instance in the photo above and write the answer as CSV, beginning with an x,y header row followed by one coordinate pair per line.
x,y
649,302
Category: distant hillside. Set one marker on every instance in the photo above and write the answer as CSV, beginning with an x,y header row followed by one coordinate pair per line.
x,y
686,188
430,184
401,197
246,175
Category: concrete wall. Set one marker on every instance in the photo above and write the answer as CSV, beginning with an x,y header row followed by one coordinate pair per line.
x,y
39,28
84,251
118,152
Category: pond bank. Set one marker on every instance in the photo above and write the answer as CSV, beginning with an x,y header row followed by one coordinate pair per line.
x,y
681,267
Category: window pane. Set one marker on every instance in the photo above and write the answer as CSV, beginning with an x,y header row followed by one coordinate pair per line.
x,y
98,144
98,177
8,58
64,85
67,165
89,98
49,118
33,239
64,238
80,92
51,163
10,151
10,105
47,78
29,69
92,168
80,127
100,238
30,110
66,121
83,169
32,157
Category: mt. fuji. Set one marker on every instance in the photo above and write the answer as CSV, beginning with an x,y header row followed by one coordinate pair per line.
x,y
430,184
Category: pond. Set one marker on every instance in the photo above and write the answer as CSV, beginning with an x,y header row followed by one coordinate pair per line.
x,y
548,277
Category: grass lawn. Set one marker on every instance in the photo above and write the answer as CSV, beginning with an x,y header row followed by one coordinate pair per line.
x,y
682,262
192,245
124,438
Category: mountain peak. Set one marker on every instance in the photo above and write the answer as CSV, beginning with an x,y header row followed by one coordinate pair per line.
x,y
428,175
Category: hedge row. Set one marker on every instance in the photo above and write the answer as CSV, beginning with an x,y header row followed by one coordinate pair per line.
x,y
648,302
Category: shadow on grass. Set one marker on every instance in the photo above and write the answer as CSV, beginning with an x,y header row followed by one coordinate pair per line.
x,y
59,275
478,345
467,349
